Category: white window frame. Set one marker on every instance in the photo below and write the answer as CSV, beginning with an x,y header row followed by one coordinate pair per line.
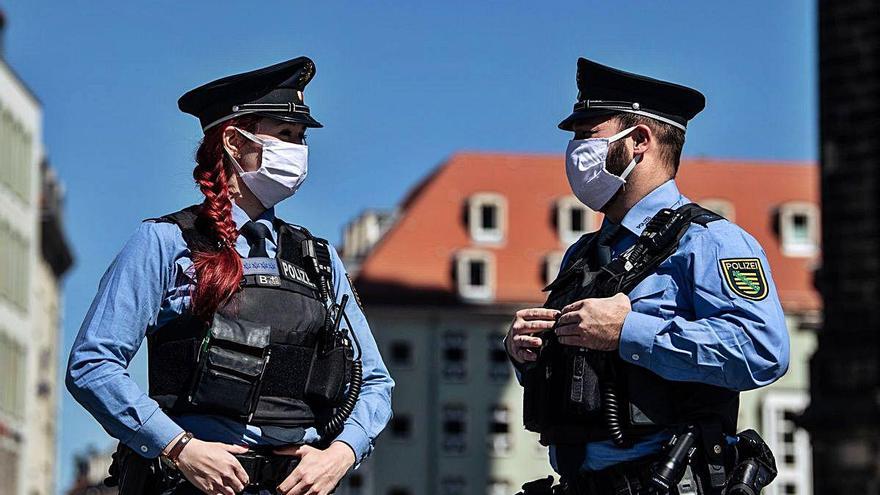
x,y
412,354
498,487
564,205
499,371
458,445
790,247
470,292
552,265
723,207
774,406
453,485
456,372
482,235
500,444
409,433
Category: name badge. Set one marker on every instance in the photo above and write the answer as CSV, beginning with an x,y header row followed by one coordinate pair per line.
x,y
268,280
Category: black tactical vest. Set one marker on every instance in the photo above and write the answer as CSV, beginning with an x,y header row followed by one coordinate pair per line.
x,y
573,395
254,361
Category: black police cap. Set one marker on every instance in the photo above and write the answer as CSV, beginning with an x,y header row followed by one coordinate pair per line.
x,y
604,90
275,91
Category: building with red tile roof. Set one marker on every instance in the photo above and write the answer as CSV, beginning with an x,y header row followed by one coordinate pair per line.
x,y
478,238
412,262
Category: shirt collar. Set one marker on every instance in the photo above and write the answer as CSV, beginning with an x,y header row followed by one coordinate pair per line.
x,y
240,217
665,196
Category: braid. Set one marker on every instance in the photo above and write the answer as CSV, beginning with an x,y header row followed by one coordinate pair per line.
x,y
218,269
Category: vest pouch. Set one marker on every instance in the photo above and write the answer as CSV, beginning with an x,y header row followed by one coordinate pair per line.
x,y
231,362
329,373
581,382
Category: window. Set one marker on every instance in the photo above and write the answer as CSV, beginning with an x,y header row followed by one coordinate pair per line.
x,y
12,379
498,487
475,275
14,256
454,419
790,444
401,426
722,207
454,356
16,155
799,229
499,366
573,219
400,353
487,217
453,485
499,430
552,265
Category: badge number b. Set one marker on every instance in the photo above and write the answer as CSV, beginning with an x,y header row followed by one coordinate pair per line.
x,y
745,277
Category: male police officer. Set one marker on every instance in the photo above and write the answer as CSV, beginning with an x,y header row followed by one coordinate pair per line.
x,y
657,320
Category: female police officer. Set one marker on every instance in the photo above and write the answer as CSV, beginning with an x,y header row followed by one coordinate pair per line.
x,y
262,376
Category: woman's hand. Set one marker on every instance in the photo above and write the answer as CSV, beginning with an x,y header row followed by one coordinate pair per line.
x,y
318,471
211,467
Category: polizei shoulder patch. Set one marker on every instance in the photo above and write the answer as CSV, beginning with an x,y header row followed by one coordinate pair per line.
x,y
745,277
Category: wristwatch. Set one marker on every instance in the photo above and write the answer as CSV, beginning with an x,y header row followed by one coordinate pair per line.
x,y
170,459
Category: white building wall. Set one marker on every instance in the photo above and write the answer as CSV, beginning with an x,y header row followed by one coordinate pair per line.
x,y
19,213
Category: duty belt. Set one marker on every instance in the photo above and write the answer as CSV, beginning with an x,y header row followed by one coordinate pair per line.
x,y
266,470
628,478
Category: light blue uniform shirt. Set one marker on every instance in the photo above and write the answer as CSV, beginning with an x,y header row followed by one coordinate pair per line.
x,y
688,324
148,284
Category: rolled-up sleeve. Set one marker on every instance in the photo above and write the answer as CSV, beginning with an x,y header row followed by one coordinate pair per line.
x,y
736,338
373,408
128,300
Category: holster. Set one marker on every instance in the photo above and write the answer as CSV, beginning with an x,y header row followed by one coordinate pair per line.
x,y
132,473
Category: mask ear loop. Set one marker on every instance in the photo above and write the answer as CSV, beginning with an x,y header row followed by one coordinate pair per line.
x,y
635,161
250,136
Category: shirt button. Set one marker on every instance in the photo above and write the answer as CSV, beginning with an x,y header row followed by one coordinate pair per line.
x,y
635,357
144,448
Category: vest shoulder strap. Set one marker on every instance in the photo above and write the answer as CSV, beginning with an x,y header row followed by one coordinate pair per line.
x,y
188,221
658,241
296,242
290,237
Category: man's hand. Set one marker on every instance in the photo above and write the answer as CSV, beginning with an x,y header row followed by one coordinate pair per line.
x,y
318,471
521,341
594,323
211,467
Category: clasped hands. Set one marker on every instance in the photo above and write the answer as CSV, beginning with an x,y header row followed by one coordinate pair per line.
x,y
212,468
591,323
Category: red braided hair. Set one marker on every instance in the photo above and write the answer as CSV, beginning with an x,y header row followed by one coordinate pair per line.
x,y
218,270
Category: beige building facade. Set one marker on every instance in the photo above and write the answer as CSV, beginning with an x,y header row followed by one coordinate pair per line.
x,y
33,257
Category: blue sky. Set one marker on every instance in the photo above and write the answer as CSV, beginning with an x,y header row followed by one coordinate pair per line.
x,y
400,86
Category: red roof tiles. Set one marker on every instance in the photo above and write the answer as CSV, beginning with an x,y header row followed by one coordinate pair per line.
x,y
413,262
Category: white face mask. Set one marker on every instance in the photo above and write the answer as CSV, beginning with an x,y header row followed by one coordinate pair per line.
x,y
283,168
590,181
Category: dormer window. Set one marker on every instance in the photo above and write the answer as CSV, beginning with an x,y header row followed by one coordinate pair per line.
x,y
720,206
487,217
573,219
475,275
799,229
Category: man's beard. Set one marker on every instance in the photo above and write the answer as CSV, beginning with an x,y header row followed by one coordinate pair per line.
x,y
618,158
616,162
